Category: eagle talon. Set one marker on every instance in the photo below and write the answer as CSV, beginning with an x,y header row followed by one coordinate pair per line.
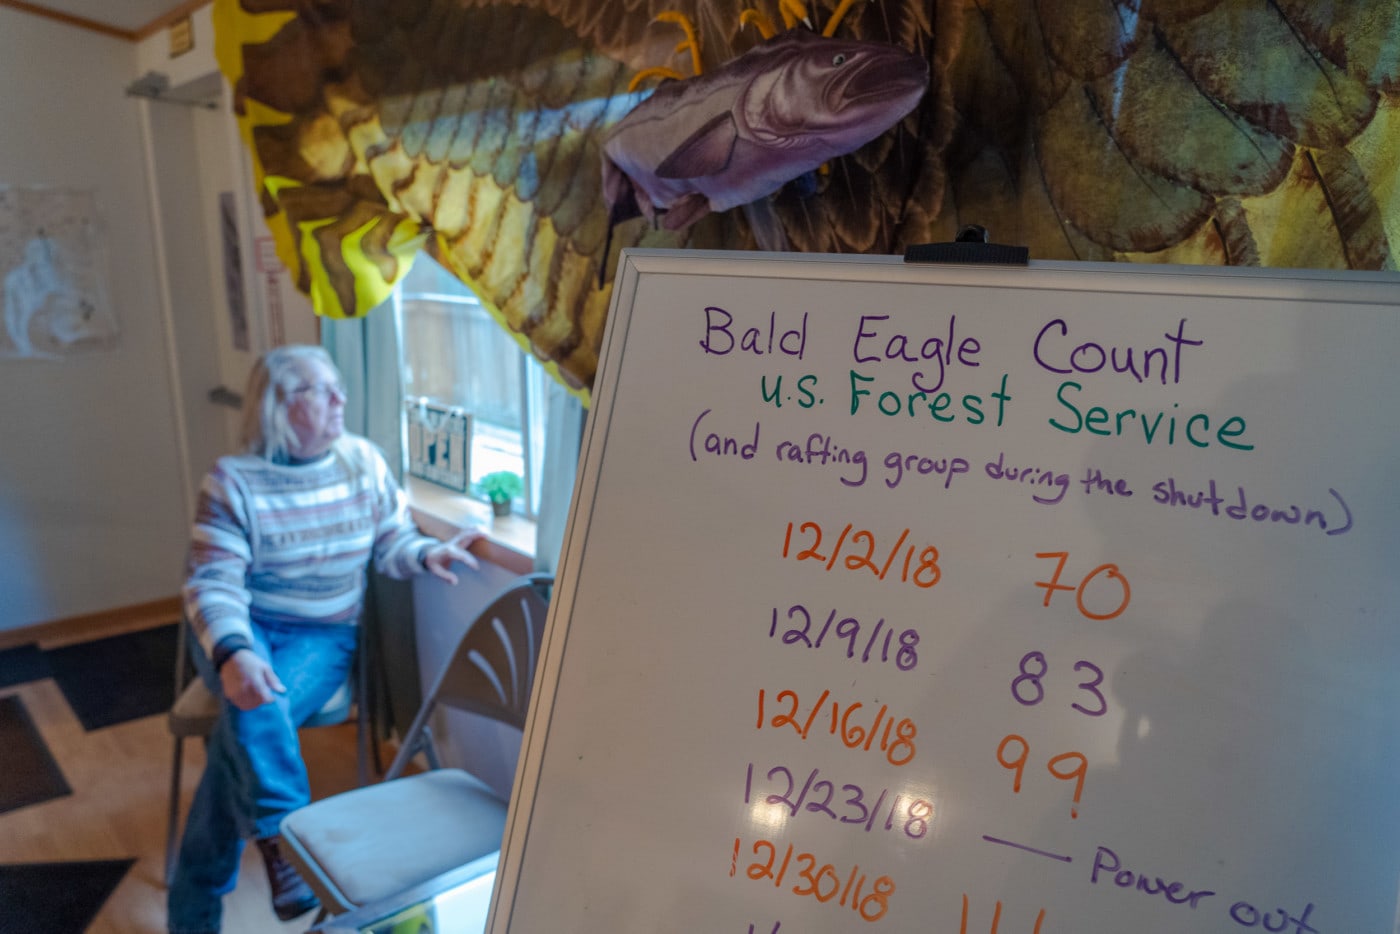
x,y
837,16
691,44
758,20
794,12
660,71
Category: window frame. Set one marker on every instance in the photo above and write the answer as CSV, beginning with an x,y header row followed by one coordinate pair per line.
x,y
530,386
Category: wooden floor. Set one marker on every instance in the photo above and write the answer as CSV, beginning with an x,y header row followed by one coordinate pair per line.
x,y
120,776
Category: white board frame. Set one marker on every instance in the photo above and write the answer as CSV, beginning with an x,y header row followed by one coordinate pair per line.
x,y
1309,287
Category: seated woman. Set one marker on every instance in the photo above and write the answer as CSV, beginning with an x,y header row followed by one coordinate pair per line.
x,y
283,535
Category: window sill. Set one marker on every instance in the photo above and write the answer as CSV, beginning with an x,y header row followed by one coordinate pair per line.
x,y
510,541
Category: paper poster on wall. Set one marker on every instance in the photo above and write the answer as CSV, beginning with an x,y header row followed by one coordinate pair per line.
x,y
53,274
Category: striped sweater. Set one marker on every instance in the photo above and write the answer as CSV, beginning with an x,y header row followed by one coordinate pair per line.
x,y
292,543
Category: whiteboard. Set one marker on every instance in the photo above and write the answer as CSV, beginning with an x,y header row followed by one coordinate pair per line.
x,y
956,599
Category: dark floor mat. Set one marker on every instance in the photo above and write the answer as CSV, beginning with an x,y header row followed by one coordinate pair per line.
x,y
120,678
30,774
22,664
57,898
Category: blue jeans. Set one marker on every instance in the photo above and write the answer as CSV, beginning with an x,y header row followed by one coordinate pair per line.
x,y
254,775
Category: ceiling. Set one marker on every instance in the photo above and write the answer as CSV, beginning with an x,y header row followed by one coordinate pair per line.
x,y
125,15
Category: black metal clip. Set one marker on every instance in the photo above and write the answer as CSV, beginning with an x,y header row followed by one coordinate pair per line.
x,y
971,247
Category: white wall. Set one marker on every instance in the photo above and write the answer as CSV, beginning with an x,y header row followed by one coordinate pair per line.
x,y
100,456
91,492
202,148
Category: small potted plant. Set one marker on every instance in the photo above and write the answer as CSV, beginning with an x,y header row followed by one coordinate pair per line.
x,y
500,487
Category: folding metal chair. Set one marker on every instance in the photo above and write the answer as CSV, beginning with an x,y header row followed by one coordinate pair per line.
x,y
373,843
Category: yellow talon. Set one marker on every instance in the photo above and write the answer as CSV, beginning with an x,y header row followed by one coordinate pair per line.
x,y
757,19
691,43
841,9
646,73
794,11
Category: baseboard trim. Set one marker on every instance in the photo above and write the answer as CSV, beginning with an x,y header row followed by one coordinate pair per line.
x,y
111,622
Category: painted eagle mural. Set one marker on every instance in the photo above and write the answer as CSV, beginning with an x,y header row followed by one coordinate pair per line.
x,y
501,137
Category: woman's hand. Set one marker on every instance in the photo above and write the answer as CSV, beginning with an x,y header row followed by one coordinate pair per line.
x,y
439,558
248,680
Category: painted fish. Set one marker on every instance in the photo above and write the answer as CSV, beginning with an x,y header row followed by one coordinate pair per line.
x,y
738,133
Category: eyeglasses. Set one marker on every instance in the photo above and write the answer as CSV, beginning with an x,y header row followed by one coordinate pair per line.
x,y
322,391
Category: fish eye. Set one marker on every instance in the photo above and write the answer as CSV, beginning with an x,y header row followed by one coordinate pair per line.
x,y
839,58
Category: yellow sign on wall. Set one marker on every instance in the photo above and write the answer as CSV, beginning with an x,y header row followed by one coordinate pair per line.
x,y
181,37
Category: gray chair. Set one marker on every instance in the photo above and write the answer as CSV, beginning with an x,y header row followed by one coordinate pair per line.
x,y
196,709
373,843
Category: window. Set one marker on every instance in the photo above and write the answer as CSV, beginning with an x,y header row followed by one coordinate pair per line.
x,y
456,356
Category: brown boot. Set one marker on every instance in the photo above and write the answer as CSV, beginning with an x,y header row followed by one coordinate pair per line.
x,y
291,896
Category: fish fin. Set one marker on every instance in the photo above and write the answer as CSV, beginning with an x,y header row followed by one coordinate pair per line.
x,y
603,260
686,210
620,192
705,152
766,226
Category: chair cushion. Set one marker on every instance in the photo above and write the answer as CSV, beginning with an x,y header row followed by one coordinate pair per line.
x,y
194,711
374,842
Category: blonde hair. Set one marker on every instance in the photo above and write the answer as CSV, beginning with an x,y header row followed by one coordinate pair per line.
x,y
265,429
